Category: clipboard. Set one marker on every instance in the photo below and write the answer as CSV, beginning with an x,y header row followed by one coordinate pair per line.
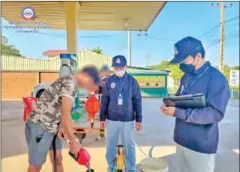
x,y
186,101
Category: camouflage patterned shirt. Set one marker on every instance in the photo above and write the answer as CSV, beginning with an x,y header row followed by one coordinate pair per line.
x,y
47,112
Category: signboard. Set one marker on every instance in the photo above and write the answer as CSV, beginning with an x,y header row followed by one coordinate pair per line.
x,y
234,77
151,81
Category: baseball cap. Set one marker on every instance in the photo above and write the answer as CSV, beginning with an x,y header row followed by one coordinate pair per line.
x,y
185,47
93,73
119,61
105,68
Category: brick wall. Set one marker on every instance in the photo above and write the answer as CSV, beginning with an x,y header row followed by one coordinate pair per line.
x,y
48,76
16,85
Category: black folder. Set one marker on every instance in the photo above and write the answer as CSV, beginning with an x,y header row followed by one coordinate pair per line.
x,y
186,101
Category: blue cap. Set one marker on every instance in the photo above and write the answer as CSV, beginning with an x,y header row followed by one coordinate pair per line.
x,y
105,68
93,73
185,47
119,61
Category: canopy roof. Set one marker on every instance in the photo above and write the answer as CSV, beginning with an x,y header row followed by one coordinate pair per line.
x,y
133,16
54,52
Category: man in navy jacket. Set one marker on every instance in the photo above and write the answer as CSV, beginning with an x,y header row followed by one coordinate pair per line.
x,y
121,105
196,130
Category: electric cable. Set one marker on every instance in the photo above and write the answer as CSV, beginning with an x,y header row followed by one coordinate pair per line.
x,y
155,38
226,37
161,39
215,27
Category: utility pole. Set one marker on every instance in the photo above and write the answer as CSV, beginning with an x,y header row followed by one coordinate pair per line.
x,y
222,7
221,38
129,49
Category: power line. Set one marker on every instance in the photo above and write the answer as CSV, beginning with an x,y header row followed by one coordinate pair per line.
x,y
215,27
228,36
145,34
161,39
231,19
203,35
153,37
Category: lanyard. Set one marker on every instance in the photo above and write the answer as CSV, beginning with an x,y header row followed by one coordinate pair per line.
x,y
120,88
187,87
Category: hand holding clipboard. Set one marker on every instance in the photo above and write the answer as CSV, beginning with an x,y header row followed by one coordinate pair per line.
x,y
186,101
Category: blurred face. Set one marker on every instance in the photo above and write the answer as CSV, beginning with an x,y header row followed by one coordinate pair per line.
x,y
105,72
120,71
85,81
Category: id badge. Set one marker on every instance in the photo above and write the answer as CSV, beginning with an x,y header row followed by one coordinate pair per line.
x,y
120,100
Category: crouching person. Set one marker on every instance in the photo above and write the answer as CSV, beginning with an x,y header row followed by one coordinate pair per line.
x,y
52,117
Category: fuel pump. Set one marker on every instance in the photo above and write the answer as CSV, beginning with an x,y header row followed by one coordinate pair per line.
x,y
68,64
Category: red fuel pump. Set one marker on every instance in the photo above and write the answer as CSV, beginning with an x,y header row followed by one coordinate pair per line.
x,y
29,103
92,106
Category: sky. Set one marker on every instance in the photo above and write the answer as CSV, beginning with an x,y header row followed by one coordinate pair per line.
x,y
176,21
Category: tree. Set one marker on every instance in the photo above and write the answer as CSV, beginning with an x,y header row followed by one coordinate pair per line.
x,y
236,68
97,50
7,49
176,73
226,70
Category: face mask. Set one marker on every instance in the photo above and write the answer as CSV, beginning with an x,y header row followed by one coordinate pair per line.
x,y
120,73
187,68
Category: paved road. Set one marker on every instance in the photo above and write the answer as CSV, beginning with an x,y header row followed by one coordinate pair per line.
x,y
158,130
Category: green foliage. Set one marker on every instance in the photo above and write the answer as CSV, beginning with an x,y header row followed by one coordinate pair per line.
x,y
226,70
7,49
97,50
235,87
176,73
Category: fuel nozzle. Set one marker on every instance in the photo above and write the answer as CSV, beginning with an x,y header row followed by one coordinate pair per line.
x,y
83,158
89,169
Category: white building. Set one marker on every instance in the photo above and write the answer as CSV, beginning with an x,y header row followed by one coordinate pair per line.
x,y
234,77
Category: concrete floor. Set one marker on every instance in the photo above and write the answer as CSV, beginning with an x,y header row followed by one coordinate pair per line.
x,y
157,131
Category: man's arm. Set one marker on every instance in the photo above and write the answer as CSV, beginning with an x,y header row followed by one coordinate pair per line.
x,y
217,100
104,103
68,94
137,101
67,123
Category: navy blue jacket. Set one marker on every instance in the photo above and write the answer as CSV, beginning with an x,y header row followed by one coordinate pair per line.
x,y
132,99
197,129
